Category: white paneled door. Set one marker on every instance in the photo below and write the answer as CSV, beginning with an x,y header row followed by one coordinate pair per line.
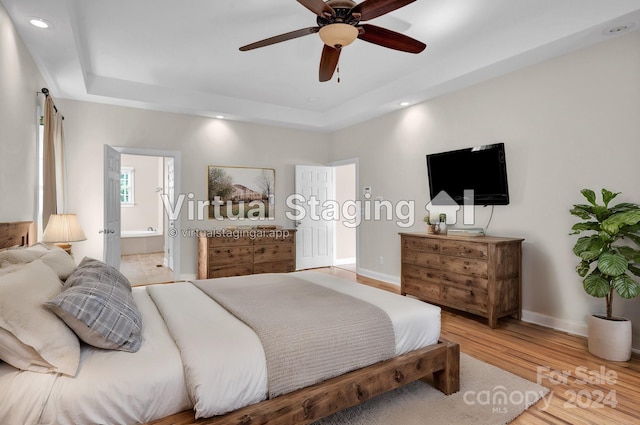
x,y
314,239
111,229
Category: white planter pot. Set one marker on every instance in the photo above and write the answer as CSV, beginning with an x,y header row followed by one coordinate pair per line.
x,y
610,339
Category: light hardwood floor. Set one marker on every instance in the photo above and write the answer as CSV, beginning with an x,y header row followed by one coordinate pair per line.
x,y
583,388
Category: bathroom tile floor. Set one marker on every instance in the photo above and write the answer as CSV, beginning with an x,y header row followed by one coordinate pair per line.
x,y
143,269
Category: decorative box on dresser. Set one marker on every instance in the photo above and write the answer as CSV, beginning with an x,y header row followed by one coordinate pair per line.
x,y
480,275
262,251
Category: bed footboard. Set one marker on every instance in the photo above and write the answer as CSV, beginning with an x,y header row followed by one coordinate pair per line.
x,y
441,361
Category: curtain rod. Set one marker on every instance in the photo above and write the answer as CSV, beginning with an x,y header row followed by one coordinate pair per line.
x,y
45,92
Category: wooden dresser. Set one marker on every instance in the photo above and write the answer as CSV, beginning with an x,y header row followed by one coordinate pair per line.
x,y
222,254
479,275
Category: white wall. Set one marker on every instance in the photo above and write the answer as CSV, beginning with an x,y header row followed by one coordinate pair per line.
x,y
148,175
569,123
202,141
20,80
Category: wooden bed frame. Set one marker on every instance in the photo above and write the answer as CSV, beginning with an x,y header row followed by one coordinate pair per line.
x,y
441,362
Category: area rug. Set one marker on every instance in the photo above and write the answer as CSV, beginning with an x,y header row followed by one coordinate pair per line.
x,y
488,396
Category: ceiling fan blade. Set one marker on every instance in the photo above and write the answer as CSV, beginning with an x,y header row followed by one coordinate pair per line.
x,y
280,38
390,39
370,9
328,62
318,7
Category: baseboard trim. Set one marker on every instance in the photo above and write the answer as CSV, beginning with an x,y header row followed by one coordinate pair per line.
x,y
395,280
576,328
569,326
188,276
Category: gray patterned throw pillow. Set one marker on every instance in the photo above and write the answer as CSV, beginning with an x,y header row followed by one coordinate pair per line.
x,y
96,302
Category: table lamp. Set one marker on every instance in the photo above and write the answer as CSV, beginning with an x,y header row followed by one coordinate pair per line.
x,y
62,229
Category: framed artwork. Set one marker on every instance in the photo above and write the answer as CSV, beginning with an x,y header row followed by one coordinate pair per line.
x,y
241,192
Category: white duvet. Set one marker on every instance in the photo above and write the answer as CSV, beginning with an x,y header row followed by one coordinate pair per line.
x,y
204,359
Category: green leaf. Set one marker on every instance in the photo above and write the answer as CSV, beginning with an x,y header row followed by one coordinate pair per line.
x,y
629,253
624,207
613,223
596,285
625,286
589,248
608,196
590,195
634,269
601,212
612,264
589,225
583,268
585,212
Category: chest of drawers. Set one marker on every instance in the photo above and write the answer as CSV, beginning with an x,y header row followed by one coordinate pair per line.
x,y
479,275
240,253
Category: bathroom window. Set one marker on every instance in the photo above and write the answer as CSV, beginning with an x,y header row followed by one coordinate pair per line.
x,y
126,187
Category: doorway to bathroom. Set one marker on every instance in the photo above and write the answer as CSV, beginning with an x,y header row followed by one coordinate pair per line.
x,y
144,179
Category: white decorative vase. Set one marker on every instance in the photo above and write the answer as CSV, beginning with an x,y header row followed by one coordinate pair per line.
x,y
610,339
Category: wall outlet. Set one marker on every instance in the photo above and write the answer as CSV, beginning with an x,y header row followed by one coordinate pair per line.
x,y
381,259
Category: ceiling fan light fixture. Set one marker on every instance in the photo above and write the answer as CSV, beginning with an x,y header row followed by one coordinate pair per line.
x,y
338,35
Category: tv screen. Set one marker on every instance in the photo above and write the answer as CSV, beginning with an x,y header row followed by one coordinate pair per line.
x,y
482,169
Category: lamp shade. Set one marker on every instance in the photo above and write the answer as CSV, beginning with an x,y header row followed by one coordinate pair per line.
x,y
63,228
338,35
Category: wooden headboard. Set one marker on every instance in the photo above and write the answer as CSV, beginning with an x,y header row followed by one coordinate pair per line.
x,y
17,233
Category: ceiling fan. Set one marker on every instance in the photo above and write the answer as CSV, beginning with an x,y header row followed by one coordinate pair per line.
x,y
339,25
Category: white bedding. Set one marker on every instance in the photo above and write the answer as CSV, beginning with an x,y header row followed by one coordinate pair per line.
x,y
226,373
111,387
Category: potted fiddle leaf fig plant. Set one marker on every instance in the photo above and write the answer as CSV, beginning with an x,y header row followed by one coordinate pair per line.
x,y
609,264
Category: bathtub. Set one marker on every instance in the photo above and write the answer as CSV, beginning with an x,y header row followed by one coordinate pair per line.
x,y
141,242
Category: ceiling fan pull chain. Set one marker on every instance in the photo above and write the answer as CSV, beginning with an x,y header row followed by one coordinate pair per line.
x,y
338,69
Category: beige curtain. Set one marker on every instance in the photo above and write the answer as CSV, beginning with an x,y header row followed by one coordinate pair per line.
x,y
58,146
50,199
53,167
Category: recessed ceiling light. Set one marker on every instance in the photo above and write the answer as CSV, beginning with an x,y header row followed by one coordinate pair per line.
x,y
618,29
40,23
403,104
220,117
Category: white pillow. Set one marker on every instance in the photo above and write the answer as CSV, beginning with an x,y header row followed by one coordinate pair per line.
x,y
61,262
55,257
22,255
30,329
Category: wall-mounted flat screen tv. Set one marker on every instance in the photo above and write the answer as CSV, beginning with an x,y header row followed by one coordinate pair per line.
x,y
482,169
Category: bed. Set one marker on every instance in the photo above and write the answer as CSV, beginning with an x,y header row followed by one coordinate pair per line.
x,y
176,375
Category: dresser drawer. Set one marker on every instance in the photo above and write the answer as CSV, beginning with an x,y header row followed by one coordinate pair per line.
x,y
230,255
229,241
478,284
464,299
420,258
274,267
421,244
426,291
465,266
464,249
272,252
421,273
231,270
